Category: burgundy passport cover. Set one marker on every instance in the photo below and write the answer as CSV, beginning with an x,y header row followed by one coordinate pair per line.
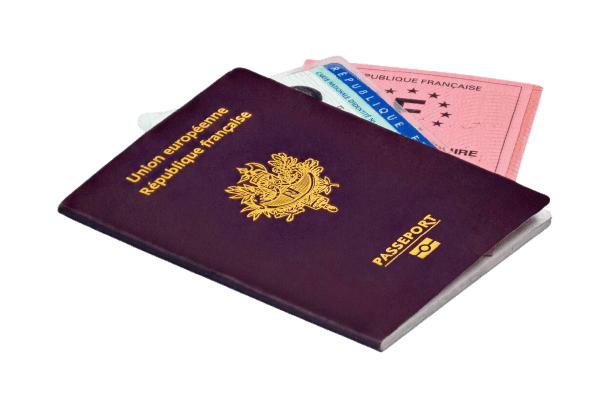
x,y
301,205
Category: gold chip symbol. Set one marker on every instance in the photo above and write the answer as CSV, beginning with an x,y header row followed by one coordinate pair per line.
x,y
425,248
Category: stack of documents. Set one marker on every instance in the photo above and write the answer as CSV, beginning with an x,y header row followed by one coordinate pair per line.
x,y
356,197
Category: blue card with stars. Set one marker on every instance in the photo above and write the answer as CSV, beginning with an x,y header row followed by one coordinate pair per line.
x,y
335,82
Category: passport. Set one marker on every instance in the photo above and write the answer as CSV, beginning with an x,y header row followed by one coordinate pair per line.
x,y
305,207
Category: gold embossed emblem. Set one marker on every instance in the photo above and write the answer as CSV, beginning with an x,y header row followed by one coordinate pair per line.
x,y
287,191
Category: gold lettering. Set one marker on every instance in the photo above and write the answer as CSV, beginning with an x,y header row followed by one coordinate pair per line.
x,y
416,230
403,243
190,157
129,178
391,251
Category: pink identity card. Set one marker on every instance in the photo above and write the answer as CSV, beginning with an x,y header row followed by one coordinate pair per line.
x,y
483,121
